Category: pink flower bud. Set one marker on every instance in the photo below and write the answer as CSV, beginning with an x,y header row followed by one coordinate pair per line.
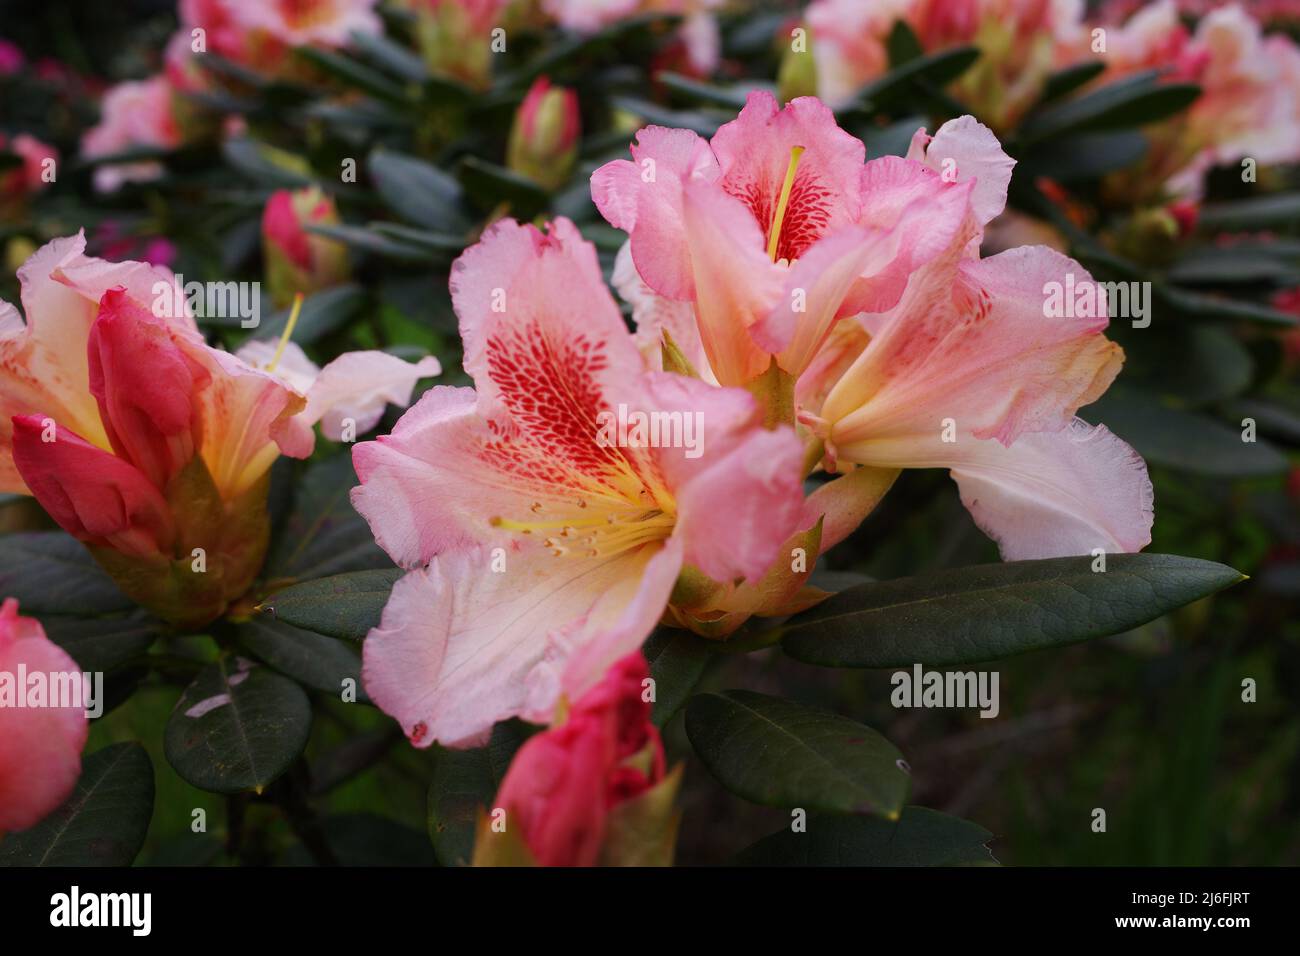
x,y
297,260
564,782
92,494
40,747
544,138
146,388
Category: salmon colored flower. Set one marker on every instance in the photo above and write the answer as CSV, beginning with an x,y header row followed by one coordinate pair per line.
x,y
565,782
133,115
1021,43
33,175
975,370
776,228
545,528
144,442
40,747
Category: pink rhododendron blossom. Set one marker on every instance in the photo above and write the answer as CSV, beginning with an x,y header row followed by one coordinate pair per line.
x,y
133,115
144,442
323,23
544,531
1021,43
974,371
1249,104
543,140
455,36
563,782
777,228
39,162
40,747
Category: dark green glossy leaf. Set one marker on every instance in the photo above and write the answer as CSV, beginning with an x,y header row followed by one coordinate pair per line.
x,y
491,184
1203,306
352,73
264,163
732,98
784,754
920,837
1127,103
342,605
393,57
677,661
1262,212
237,727
1188,441
102,644
50,572
368,240
936,69
418,191
1069,79
464,781
320,662
323,533
902,44
103,823
990,611
1086,155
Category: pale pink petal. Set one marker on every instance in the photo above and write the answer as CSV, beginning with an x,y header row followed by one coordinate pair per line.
x,y
738,487
843,503
644,198
971,342
40,747
358,386
1053,494
294,367
462,646
654,316
735,283
965,150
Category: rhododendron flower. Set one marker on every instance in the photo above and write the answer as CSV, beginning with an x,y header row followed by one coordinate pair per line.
x,y
1021,43
144,442
777,228
545,527
974,371
297,260
698,41
544,136
566,786
40,747
34,174
133,115
11,58
1249,104
322,23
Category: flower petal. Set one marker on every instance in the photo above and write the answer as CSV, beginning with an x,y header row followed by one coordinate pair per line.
x,y
461,646
359,386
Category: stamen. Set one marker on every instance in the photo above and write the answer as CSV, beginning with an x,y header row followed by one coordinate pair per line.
x,y
288,332
774,234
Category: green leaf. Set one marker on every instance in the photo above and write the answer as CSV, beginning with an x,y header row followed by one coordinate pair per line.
x,y
323,533
368,240
322,313
426,239
1188,441
902,44
1199,306
1086,156
367,839
393,57
732,98
990,611
920,837
703,124
237,727
418,191
1262,212
354,74
491,184
1070,79
264,163
1127,103
321,663
463,782
102,644
50,572
784,754
342,605
103,823
936,69
677,661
